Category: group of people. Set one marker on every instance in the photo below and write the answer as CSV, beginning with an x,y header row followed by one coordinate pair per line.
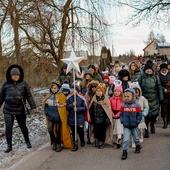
x,y
114,106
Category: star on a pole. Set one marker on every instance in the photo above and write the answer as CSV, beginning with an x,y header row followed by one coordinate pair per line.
x,y
72,62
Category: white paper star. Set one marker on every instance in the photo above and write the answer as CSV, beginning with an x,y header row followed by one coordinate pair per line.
x,y
72,62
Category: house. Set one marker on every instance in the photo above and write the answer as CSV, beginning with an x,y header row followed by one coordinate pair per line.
x,y
163,49
151,48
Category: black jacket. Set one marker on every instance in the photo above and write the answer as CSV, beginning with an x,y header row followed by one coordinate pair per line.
x,y
10,95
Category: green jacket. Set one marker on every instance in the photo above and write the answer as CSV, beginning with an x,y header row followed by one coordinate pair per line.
x,y
152,91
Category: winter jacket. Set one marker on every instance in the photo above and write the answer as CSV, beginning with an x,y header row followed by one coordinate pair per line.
x,y
51,108
116,104
98,77
164,81
135,75
81,109
152,91
12,93
131,114
142,101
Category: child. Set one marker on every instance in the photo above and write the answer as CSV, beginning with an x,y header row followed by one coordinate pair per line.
x,y
65,88
130,117
56,114
101,118
116,102
78,106
143,102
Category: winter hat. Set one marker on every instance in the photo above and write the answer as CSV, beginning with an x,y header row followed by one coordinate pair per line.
x,y
15,71
106,77
119,87
88,72
65,87
56,82
163,65
96,65
123,73
102,87
64,66
132,91
148,66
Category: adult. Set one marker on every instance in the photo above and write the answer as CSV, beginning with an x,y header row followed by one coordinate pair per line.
x,y
151,89
65,77
117,68
96,76
14,92
164,76
134,71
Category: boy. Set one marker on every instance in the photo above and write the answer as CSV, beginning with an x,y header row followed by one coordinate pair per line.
x,y
78,106
130,117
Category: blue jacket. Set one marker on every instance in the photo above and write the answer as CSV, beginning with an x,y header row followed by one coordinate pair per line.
x,y
131,113
81,109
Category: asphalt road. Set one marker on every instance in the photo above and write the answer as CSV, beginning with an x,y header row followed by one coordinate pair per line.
x,y
155,155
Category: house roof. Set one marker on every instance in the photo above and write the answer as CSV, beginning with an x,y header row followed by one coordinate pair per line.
x,y
151,43
163,45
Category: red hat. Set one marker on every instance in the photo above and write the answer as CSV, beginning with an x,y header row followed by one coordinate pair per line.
x,y
106,77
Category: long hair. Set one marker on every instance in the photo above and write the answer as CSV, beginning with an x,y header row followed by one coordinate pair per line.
x,y
85,81
132,71
121,96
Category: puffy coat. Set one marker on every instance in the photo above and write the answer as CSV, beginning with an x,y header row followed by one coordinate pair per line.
x,y
81,109
152,91
12,98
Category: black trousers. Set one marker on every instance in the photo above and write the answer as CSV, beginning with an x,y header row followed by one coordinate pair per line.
x,y
80,131
99,131
9,121
56,139
151,119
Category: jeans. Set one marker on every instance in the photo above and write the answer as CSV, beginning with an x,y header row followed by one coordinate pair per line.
x,y
126,137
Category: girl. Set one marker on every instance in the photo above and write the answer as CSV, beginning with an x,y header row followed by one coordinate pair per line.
x,y
101,118
56,115
134,71
116,102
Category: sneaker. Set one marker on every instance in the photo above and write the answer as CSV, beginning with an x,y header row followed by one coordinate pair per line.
x,y
96,143
101,145
58,149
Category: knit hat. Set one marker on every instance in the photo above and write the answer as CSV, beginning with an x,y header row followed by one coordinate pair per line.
x,y
88,72
148,66
64,66
106,77
56,82
119,87
102,87
163,65
65,87
123,73
15,71
96,65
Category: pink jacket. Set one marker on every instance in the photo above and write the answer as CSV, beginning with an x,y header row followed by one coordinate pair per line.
x,y
116,104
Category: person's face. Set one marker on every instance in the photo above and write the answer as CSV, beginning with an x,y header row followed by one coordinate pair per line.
x,y
133,66
125,78
64,70
128,97
149,71
117,93
106,81
106,69
99,93
65,92
168,66
93,87
137,93
158,67
117,67
164,70
87,76
54,88
92,70
15,77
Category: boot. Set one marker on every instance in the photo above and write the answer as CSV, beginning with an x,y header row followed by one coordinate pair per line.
x,y
54,147
75,146
152,128
119,141
146,133
28,144
165,123
124,155
137,150
8,149
58,148
82,143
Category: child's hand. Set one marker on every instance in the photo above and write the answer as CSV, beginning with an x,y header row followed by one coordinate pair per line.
x,y
165,90
74,103
43,100
75,109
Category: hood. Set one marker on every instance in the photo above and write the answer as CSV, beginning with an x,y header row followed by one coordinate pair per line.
x,y
132,91
8,75
135,85
93,82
